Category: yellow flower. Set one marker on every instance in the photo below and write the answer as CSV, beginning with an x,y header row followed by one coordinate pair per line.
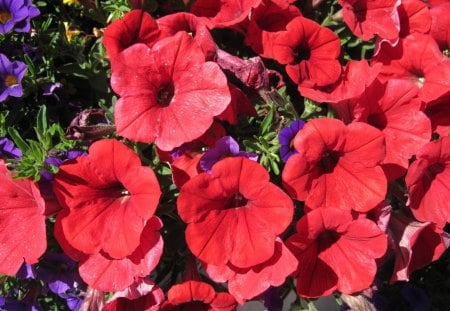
x,y
70,31
71,2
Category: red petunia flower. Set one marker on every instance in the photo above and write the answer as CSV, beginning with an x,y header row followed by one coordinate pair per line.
x,y
109,197
137,26
438,111
392,109
417,60
309,52
355,78
416,245
427,181
169,94
367,18
266,20
170,24
22,222
223,13
414,17
247,283
440,22
335,252
230,213
197,296
142,295
337,165
104,273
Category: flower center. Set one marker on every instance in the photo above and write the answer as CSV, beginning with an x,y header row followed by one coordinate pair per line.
x,y
377,120
165,94
5,16
237,200
302,53
10,80
326,239
329,161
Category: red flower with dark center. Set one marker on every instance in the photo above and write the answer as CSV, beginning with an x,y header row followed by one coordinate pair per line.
x,y
22,222
197,296
169,94
247,283
427,181
335,252
337,165
230,213
416,245
108,197
170,24
266,20
366,18
136,26
392,109
309,52
223,13
418,60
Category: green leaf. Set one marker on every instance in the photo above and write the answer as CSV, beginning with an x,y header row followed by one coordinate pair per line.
x,y
42,120
267,122
18,140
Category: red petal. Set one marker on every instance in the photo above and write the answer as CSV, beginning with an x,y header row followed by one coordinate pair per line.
x,y
22,220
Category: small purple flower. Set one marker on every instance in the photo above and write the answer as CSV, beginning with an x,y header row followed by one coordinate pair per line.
x,y
286,136
26,271
73,301
59,272
224,147
272,299
11,75
50,89
417,297
8,150
16,15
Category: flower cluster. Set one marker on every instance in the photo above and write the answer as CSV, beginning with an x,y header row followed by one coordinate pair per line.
x,y
242,150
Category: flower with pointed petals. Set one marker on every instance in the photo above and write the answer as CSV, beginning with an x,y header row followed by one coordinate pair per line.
x,y
198,296
168,94
335,252
11,75
22,221
427,182
286,137
108,197
230,213
337,165
16,15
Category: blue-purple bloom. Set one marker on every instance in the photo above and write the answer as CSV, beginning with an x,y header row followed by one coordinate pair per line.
x,y
26,271
8,150
16,15
11,75
224,147
286,136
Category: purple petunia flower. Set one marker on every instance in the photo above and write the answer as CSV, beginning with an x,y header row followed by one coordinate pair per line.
x,y
26,271
286,136
11,75
224,147
8,150
16,15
